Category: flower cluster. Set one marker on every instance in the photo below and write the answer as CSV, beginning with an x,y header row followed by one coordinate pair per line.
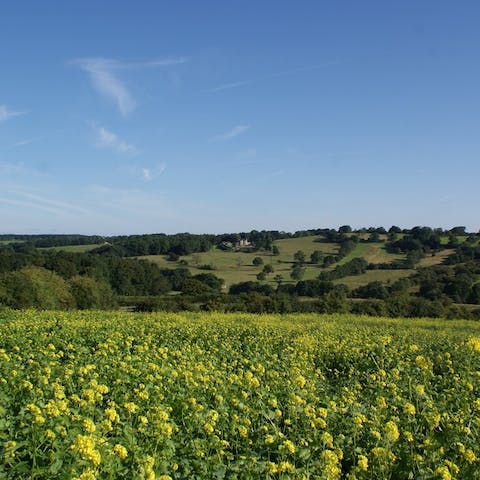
x,y
91,395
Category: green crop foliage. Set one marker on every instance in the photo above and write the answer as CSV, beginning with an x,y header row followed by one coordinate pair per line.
x,y
109,395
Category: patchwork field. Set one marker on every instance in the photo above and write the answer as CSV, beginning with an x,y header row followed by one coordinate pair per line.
x,y
372,253
234,267
208,396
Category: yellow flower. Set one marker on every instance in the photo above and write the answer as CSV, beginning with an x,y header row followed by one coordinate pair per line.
x,y
289,446
327,439
300,381
208,427
272,468
330,469
443,473
112,415
469,456
474,344
130,407
85,446
89,426
166,429
269,439
381,402
420,389
362,463
409,409
88,475
421,362
391,431
383,453
286,467
33,409
120,451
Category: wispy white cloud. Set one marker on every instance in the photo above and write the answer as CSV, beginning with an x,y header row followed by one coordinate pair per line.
x,y
165,62
145,172
7,114
143,205
284,73
103,73
27,199
59,204
19,169
234,132
149,174
107,84
29,205
27,141
107,139
228,86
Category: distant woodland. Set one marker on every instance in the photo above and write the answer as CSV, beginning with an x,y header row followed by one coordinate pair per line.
x,y
418,272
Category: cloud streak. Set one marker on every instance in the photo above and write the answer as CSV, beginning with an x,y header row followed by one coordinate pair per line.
x,y
234,132
284,73
39,202
6,114
111,141
103,74
29,205
107,84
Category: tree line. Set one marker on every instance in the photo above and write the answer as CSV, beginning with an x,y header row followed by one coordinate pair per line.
x,y
107,278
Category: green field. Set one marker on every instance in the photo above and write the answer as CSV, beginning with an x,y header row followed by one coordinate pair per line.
x,y
109,395
436,259
234,267
372,253
387,276
6,242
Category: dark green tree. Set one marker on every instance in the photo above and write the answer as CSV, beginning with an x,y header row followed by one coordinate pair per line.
x,y
268,269
257,261
299,257
90,293
316,257
297,273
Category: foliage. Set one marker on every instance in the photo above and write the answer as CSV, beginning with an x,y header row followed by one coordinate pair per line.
x,y
297,272
90,293
257,261
37,287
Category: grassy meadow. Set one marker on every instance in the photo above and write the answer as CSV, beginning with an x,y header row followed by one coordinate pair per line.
x,y
236,266
109,395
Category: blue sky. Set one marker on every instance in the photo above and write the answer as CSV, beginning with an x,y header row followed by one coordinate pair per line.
x,y
214,116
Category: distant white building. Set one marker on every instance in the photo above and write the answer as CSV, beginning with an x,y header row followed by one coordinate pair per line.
x,y
243,243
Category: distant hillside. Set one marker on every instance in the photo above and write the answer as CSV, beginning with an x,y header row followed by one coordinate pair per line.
x,y
415,272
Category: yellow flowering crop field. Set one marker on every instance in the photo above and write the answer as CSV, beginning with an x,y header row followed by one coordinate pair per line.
x,y
108,395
